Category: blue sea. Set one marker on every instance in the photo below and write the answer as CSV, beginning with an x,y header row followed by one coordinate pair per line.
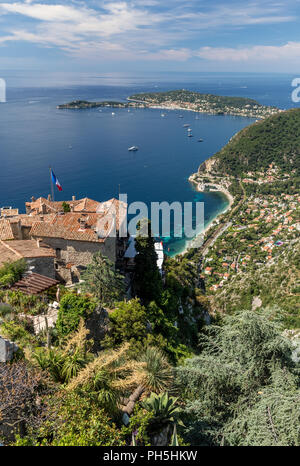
x,y
88,149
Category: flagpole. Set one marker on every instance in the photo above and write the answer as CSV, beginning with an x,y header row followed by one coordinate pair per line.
x,y
51,182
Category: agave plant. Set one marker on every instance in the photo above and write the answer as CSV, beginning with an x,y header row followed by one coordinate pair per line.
x,y
51,360
164,409
174,438
72,365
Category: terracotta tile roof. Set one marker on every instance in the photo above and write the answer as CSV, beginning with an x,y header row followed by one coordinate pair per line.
x,y
6,232
85,205
80,205
17,249
34,284
7,255
8,212
114,206
67,226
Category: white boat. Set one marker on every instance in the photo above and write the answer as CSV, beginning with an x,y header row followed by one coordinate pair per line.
x,y
113,113
189,129
162,114
133,148
186,125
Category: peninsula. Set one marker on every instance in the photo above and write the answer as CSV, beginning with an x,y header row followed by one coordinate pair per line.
x,y
204,103
83,104
185,100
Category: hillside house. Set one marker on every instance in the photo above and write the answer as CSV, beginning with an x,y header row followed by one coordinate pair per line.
x,y
70,237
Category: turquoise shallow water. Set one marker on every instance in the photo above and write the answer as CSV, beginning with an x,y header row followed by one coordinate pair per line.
x,y
88,150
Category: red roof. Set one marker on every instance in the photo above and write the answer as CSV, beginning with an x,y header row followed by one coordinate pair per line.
x,y
34,284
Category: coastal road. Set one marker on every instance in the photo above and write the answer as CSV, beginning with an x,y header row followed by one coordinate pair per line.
x,y
223,227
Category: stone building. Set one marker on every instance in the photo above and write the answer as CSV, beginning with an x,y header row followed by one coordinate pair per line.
x,y
38,255
72,230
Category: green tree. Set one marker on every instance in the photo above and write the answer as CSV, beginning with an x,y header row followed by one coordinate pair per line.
x,y
238,360
11,272
101,279
72,308
271,418
147,280
74,420
128,322
66,207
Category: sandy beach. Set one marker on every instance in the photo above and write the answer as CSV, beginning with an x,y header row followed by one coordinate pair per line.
x,y
189,244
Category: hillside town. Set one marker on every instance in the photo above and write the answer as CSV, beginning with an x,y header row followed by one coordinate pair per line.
x,y
259,232
205,103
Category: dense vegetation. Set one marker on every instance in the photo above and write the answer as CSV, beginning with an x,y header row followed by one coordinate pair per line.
x,y
182,95
274,140
10,273
82,104
243,389
282,277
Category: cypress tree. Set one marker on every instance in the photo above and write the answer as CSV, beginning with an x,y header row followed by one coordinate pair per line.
x,y
147,279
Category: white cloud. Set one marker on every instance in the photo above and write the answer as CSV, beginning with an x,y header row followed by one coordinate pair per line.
x,y
140,29
178,55
259,53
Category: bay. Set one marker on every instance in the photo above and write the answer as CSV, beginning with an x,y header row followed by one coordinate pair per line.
x,y
88,149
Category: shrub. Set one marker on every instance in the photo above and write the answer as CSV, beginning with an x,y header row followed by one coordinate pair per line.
x,y
72,308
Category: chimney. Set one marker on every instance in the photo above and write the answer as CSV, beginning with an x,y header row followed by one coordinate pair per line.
x,y
82,222
38,242
33,199
44,209
49,197
73,198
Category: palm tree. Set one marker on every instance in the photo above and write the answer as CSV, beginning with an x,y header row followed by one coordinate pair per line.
x,y
156,375
109,376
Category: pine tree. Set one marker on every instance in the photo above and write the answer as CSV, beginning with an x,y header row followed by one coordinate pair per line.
x,y
101,279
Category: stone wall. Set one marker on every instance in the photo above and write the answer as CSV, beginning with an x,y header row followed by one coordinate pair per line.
x,y
42,265
16,229
40,322
7,349
80,253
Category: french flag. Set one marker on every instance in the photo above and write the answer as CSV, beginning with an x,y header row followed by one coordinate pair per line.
x,y
55,181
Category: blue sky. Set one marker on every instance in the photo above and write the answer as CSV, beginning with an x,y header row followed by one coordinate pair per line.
x,y
141,35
